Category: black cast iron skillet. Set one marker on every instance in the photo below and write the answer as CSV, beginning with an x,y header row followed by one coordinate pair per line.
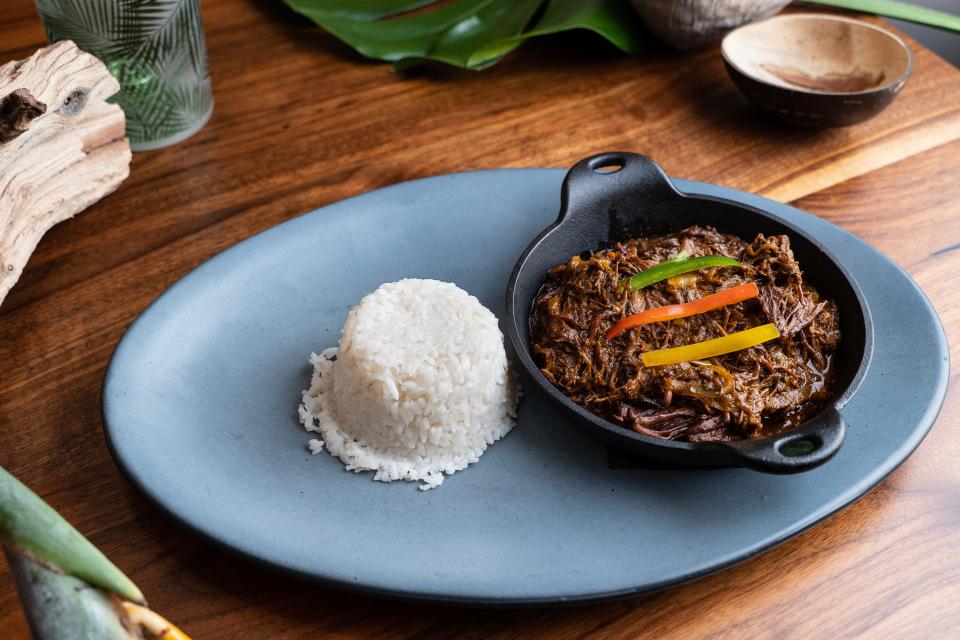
x,y
601,204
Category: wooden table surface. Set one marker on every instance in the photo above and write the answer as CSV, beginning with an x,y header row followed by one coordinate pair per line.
x,y
301,122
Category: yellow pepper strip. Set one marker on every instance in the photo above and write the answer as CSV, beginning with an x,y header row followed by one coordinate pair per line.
x,y
153,622
709,348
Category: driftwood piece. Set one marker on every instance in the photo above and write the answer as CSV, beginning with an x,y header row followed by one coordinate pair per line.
x,y
62,147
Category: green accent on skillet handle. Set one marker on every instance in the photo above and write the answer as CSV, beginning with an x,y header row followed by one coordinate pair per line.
x,y
812,444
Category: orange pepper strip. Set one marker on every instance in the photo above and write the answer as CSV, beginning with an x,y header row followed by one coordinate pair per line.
x,y
713,301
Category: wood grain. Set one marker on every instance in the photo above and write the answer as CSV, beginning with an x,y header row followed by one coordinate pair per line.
x,y
69,154
318,124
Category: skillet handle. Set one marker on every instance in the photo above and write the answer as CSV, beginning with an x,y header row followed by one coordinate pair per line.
x,y
815,442
616,182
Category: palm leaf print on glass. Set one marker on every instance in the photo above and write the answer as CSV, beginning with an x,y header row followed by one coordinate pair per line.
x,y
155,48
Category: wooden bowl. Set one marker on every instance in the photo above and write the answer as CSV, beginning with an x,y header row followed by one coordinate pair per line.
x,y
685,24
817,69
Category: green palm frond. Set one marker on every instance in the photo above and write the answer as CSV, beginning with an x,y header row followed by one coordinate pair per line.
x,y
89,23
188,104
156,16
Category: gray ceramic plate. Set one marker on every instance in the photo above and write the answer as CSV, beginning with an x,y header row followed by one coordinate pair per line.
x,y
210,377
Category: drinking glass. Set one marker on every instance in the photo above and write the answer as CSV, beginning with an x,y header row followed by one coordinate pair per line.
x,y
155,48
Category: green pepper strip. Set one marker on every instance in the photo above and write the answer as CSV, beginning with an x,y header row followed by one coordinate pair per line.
x,y
670,268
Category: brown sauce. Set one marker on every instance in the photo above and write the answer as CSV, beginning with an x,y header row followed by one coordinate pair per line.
x,y
745,394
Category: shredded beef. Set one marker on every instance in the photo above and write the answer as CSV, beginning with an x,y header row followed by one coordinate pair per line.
x,y
745,394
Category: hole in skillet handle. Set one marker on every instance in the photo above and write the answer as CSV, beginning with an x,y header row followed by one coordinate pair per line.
x,y
609,162
808,446
613,167
607,189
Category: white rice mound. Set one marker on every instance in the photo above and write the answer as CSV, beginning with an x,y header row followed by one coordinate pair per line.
x,y
419,386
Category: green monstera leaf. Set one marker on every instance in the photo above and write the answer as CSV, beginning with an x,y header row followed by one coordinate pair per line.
x,y
473,34
476,34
